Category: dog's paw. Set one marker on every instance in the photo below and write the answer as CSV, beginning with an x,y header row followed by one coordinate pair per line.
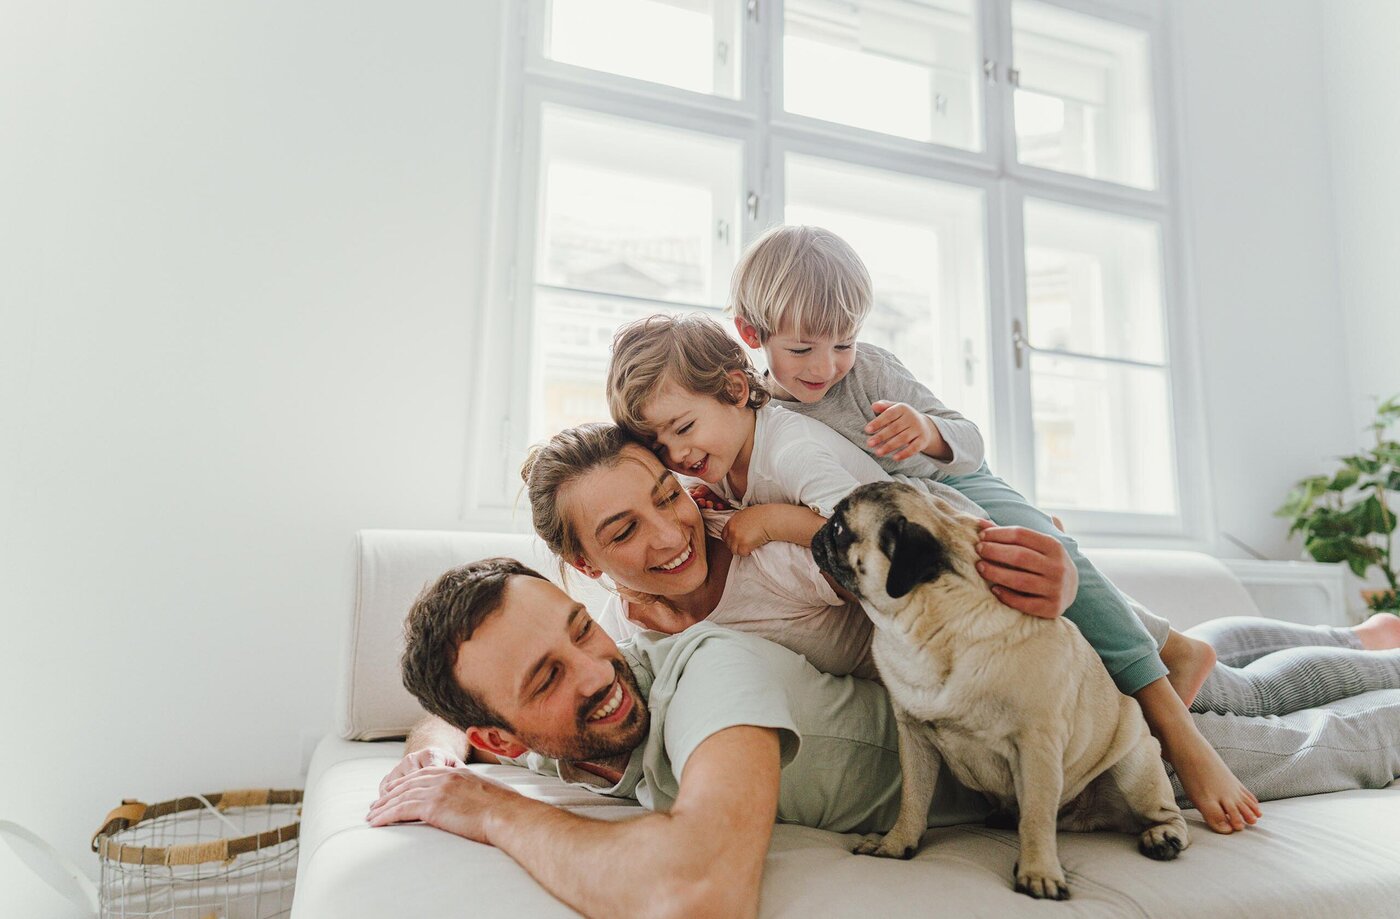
x,y
1042,885
1164,841
891,846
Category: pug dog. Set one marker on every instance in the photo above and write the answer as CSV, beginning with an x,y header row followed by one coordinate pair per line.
x,y
1019,707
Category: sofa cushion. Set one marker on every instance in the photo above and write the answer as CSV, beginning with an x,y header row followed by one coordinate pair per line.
x,y
1326,855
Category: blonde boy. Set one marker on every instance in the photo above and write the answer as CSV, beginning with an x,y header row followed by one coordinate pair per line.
x,y
801,295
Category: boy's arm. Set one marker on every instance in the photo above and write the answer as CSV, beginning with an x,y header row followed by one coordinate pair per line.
x,y
757,525
703,858
957,437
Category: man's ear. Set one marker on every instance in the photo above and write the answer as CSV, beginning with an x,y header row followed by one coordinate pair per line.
x,y
916,556
581,565
496,741
748,333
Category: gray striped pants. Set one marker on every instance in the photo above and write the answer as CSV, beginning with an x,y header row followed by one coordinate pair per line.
x,y
1270,667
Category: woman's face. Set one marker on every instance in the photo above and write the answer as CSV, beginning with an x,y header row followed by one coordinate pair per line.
x,y
637,525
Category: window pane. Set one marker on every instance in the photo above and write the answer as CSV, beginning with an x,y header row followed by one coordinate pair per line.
x,y
923,244
1084,104
902,67
1093,283
634,220
635,209
690,44
1102,436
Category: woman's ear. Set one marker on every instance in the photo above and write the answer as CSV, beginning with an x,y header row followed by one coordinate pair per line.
x,y
496,741
748,333
581,565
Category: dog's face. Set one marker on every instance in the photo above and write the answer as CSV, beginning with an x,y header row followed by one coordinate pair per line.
x,y
887,538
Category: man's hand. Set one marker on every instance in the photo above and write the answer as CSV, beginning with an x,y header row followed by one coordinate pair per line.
x,y
419,759
901,429
450,798
1029,571
748,530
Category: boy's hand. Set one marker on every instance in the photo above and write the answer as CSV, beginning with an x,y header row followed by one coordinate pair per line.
x,y
1029,571
748,530
707,499
901,429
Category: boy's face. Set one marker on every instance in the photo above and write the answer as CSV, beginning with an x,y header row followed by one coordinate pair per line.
x,y
698,435
806,366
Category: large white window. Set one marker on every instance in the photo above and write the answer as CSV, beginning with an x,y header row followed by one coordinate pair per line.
x,y
1000,165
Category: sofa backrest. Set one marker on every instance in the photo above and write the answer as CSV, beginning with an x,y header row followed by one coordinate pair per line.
x,y
395,566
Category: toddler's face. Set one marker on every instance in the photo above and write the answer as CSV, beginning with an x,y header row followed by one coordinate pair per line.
x,y
807,366
697,435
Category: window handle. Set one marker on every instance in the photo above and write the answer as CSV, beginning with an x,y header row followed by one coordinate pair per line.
x,y
751,205
989,71
752,8
1018,343
1013,76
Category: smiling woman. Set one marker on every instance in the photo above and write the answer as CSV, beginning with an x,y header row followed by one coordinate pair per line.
x,y
607,507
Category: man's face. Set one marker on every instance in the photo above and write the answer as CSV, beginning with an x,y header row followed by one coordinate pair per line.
x,y
542,663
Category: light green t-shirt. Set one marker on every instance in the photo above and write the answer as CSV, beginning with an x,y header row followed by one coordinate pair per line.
x,y
840,750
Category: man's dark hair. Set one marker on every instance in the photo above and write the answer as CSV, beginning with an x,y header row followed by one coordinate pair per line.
x,y
445,615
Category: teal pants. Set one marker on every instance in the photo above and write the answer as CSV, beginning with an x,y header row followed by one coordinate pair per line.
x,y
1099,609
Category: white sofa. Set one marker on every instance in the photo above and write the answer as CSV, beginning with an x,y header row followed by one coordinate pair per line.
x,y
1335,855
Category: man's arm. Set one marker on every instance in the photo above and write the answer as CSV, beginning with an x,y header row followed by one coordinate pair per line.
x,y
703,858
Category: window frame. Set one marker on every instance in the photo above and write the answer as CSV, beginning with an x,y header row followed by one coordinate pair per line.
x,y
498,427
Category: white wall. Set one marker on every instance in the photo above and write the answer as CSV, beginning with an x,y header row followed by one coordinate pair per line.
x,y
1360,42
241,256
241,253
1262,242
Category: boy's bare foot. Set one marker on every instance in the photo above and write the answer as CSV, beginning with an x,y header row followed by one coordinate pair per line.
x,y
1379,633
1189,661
1221,798
1225,804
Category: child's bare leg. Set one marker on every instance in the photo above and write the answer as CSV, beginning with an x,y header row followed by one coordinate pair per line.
x,y
1379,633
1189,662
1221,798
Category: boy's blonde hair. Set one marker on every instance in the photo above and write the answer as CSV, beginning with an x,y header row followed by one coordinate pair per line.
x,y
801,279
693,351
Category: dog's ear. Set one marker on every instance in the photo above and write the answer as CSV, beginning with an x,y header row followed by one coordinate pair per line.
x,y
916,557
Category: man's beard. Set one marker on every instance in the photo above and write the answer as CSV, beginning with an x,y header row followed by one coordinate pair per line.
x,y
589,745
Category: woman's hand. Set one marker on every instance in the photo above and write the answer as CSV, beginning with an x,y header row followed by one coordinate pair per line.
x,y
1029,571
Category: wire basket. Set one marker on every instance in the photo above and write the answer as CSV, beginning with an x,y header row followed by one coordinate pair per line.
x,y
229,855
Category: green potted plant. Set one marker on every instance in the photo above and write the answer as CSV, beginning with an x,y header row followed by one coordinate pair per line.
x,y
1345,517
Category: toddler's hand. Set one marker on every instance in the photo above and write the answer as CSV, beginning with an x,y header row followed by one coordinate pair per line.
x,y
707,499
901,429
746,531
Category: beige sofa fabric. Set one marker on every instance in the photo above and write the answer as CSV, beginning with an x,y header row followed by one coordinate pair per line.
x,y
1334,855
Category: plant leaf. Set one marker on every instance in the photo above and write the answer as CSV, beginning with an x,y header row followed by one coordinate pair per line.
x,y
1344,479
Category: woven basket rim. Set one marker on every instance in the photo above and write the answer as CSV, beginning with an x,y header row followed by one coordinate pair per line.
x,y
132,813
